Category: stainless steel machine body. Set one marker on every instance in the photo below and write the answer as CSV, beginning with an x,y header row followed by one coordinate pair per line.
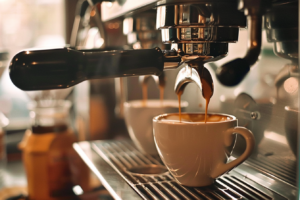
x,y
129,174
262,101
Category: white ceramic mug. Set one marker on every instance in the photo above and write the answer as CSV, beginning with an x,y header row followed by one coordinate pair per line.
x,y
138,118
196,152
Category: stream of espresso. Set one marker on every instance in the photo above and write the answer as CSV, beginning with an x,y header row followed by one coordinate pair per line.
x,y
179,103
207,93
145,93
179,107
161,93
207,90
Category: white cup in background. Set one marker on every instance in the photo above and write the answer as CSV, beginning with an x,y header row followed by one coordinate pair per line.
x,y
138,118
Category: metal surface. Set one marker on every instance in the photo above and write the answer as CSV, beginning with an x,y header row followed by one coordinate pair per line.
x,y
205,29
283,32
186,75
195,73
233,72
113,10
200,29
254,41
122,155
199,14
112,181
289,70
273,164
276,161
141,32
252,175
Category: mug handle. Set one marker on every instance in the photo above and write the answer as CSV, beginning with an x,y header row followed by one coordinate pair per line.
x,y
250,142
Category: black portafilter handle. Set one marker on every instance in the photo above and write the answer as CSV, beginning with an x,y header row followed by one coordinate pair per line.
x,y
65,67
232,73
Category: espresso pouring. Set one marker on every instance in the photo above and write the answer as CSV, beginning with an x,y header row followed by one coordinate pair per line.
x,y
161,86
207,89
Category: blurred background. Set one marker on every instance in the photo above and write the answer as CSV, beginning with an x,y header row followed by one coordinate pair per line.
x,y
26,24
23,24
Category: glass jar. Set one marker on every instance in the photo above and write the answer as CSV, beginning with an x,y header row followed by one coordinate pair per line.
x,y
49,116
52,166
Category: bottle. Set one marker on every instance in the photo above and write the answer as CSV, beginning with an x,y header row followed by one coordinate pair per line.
x,y
52,166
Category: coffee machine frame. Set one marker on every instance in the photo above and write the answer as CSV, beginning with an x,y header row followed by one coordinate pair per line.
x,y
273,167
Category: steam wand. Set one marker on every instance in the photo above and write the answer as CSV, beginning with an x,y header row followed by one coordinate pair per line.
x,y
233,72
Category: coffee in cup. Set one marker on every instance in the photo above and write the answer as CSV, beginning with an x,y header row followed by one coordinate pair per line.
x,y
196,152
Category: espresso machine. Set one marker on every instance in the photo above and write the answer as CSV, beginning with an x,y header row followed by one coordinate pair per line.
x,y
188,37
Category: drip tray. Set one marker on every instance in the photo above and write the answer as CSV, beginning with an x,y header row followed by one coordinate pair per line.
x,y
148,170
149,178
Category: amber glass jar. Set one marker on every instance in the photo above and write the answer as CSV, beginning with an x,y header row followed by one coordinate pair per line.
x,y
52,166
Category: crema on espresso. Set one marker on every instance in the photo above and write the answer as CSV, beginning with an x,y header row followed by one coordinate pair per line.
x,y
194,118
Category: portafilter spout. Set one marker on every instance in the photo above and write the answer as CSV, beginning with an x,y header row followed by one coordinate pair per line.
x,y
197,74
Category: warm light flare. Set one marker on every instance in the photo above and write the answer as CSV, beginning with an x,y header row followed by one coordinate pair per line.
x,y
291,85
93,13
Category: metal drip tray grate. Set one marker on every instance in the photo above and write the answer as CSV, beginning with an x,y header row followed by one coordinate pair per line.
x,y
286,171
276,161
126,160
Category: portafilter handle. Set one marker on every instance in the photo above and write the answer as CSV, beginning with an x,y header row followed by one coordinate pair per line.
x,y
65,67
